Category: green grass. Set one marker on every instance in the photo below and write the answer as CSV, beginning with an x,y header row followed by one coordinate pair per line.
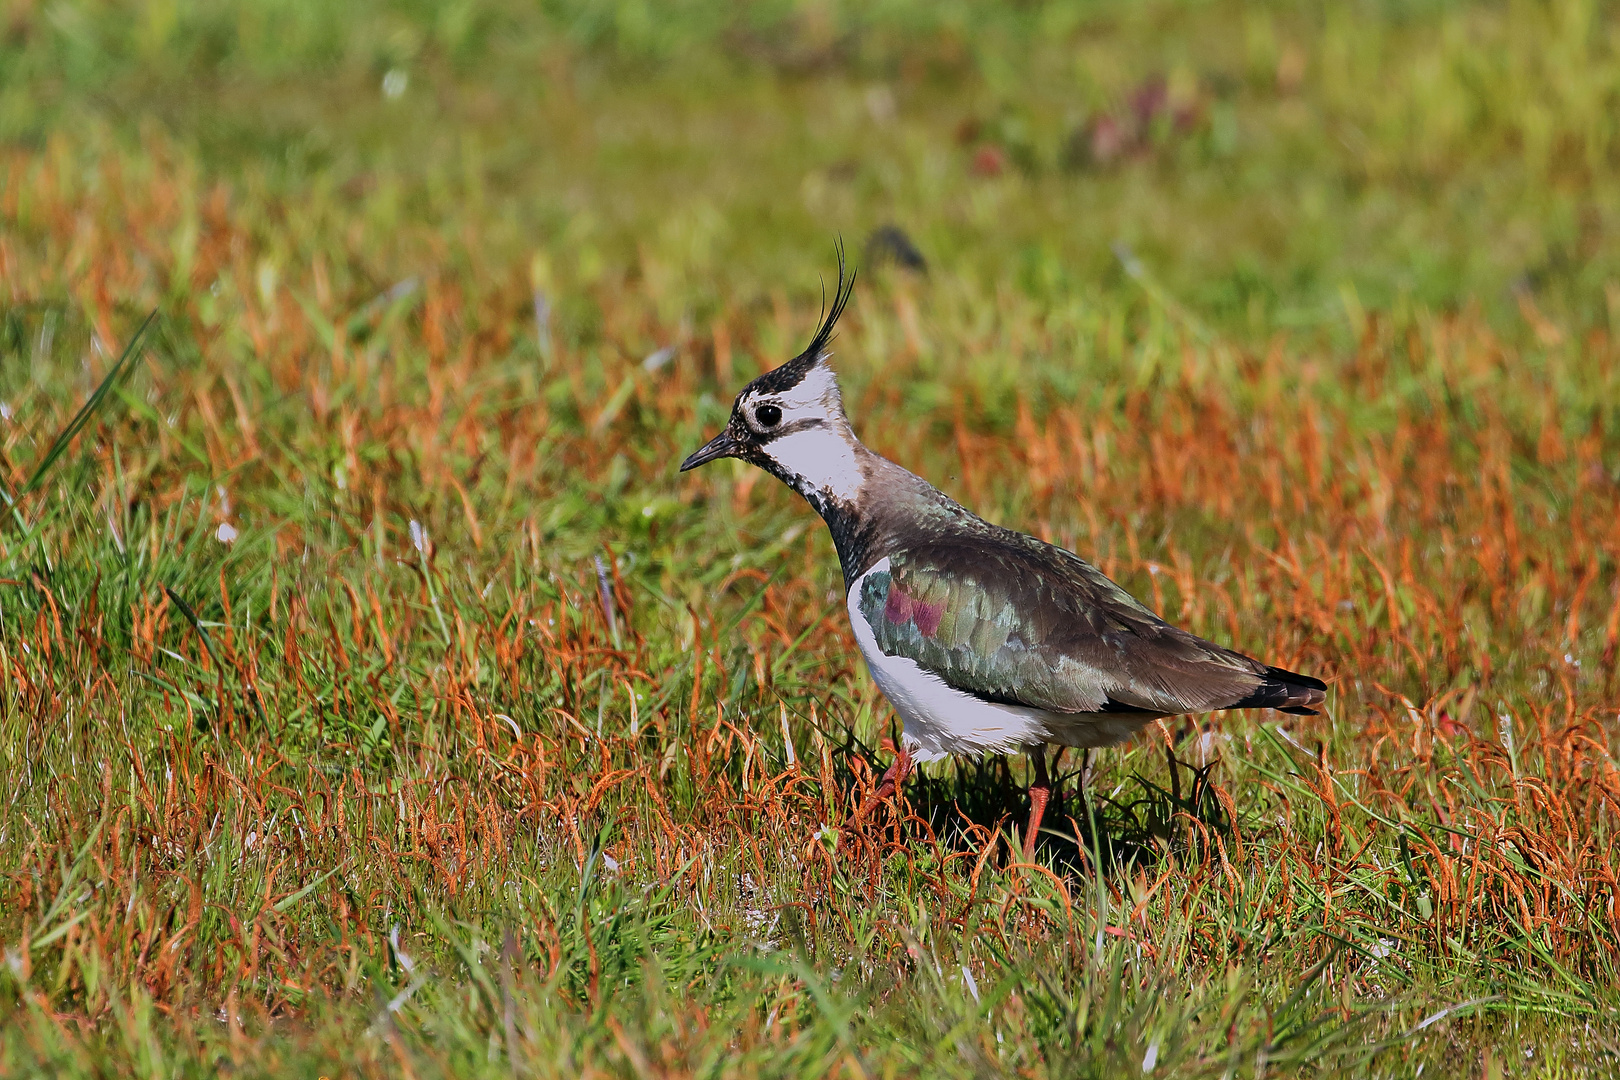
x,y
375,697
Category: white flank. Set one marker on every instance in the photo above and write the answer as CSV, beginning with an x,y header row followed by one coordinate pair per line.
x,y
939,719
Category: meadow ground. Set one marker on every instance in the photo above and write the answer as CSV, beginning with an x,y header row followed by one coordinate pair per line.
x,y
375,698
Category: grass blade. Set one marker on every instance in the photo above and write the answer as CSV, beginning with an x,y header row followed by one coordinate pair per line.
x,y
87,412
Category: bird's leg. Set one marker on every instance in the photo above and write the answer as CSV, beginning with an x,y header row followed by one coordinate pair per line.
x,y
895,778
892,781
1040,791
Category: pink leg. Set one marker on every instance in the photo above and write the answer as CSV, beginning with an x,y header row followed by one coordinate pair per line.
x,y
895,778
1040,793
892,782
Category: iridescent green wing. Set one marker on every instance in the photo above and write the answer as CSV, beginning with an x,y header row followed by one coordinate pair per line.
x,y
1012,620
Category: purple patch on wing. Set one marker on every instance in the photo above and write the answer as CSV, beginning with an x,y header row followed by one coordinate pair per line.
x,y
927,616
897,608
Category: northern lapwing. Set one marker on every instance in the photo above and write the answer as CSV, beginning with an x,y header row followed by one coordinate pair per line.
x,y
984,640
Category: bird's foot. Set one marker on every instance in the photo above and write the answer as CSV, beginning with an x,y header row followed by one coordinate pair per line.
x,y
893,780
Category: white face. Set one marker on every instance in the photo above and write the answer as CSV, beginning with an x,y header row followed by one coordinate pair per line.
x,y
815,445
815,398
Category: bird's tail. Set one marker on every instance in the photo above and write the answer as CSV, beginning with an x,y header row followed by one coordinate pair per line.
x,y
1286,691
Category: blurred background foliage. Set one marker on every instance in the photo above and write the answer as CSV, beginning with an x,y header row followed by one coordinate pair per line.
x,y
1276,167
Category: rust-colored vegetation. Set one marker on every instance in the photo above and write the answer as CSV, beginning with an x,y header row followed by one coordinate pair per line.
x,y
374,695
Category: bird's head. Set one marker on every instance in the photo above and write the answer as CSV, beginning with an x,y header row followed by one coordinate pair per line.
x,y
790,421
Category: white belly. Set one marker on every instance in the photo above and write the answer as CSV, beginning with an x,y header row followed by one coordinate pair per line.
x,y
941,720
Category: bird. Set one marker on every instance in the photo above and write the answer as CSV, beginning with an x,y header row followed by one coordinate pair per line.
x,y
983,639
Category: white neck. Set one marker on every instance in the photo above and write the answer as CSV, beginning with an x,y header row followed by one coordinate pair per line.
x,y
821,459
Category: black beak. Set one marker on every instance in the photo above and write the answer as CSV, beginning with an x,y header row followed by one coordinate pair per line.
x,y
722,445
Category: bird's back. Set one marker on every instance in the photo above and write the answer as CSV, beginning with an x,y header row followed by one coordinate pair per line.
x,y
1011,619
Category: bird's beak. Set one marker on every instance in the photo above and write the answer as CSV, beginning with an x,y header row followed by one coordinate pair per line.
x,y
722,445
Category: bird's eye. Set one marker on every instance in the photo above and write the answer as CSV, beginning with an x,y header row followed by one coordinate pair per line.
x,y
768,415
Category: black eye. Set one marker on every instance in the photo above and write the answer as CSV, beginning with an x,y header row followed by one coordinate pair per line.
x,y
768,415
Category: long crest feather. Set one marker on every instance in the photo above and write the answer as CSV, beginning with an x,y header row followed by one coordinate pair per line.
x,y
789,374
841,295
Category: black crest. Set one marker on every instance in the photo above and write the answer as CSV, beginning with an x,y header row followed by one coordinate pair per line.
x,y
789,374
